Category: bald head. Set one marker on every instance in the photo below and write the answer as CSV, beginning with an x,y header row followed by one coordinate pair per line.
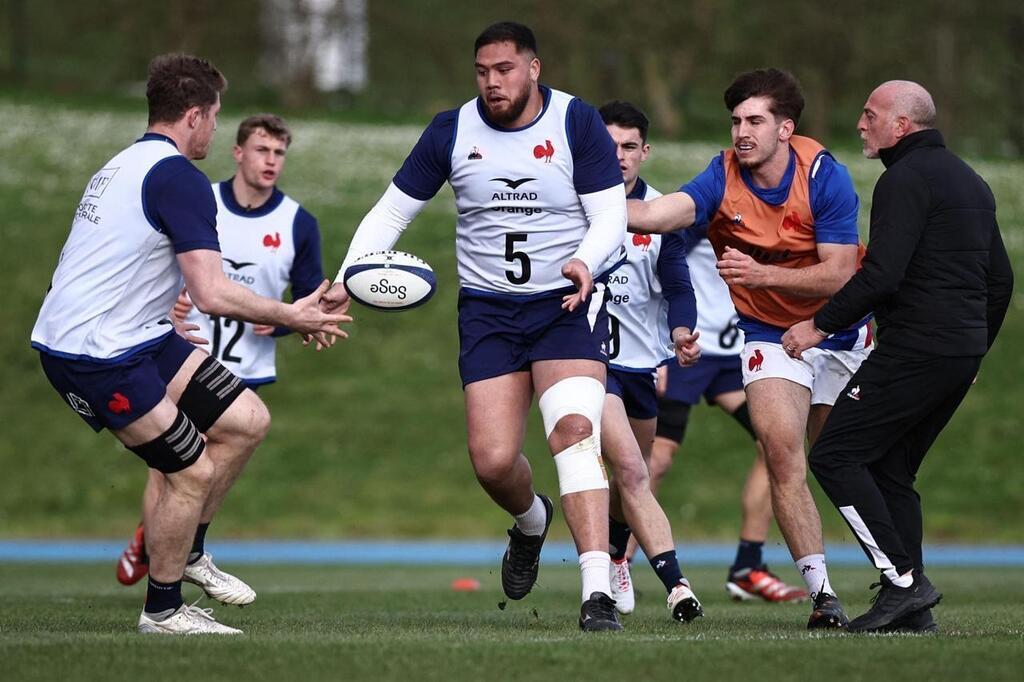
x,y
911,100
894,110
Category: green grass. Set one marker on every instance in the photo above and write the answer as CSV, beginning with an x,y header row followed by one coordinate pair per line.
x,y
368,439
391,623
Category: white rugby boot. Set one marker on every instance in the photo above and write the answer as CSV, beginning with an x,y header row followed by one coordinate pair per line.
x,y
622,586
189,619
224,587
683,604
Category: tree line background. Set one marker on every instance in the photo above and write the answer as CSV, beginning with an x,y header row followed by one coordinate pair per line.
x,y
672,57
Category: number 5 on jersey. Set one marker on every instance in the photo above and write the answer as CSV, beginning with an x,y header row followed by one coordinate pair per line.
x,y
513,256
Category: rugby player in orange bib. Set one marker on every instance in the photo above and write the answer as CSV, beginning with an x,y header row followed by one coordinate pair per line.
x,y
781,214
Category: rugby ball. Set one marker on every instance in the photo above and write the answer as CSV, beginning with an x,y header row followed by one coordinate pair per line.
x,y
390,281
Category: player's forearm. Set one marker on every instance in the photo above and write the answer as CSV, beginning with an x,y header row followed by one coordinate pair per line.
x,y
606,214
224,298
815,281
664,214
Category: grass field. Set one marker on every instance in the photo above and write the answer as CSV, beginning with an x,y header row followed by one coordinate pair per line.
x,y
368,440
404,623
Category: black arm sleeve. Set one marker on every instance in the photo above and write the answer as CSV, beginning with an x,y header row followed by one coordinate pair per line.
x,y
899,212
999,284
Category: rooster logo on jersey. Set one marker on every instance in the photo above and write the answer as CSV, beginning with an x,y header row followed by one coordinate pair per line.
x,y
642,240
272,242
545,151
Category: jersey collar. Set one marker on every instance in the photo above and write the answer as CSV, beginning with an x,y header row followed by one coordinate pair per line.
x,y
775,196
227,195
639,189
147,137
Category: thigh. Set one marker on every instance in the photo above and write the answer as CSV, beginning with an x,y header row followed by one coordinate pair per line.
x,y
639,394
547,373
644,431
778,411
496,411
618,443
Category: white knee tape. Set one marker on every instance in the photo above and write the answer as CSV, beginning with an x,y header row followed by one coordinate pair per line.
x,y
580,467
575,395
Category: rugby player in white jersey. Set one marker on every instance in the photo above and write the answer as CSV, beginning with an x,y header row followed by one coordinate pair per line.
x,y
268,244
718,377
146,221
652,312
541,215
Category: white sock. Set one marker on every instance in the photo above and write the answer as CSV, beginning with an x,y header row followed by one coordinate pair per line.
x,y
533,520
815,575
905,580
594,568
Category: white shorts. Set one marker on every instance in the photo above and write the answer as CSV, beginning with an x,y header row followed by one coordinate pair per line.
x,y
824,372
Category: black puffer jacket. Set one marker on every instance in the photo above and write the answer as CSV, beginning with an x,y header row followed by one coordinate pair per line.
x,y
936,273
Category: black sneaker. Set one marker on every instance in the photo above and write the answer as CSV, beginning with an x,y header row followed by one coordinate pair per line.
x,y
522,558
827,613
892,603
921,623
598,613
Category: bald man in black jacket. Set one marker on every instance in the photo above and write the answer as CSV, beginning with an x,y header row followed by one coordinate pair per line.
x,y
938,279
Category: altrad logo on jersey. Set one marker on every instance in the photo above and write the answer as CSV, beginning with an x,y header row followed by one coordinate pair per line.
x,y
514,184
237,265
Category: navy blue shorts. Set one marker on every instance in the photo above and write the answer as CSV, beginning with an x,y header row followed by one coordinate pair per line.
x,y
638,391
113,395
499,335
712,376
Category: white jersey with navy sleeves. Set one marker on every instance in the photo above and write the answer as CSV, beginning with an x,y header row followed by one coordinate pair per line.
x,y
717,320
118,276
520,216
651,283
260,249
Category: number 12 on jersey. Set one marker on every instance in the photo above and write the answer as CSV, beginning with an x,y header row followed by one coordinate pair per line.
x,y
221,326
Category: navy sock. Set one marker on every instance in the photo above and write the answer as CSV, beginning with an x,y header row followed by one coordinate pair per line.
x,y
162,597
618,539
748,555
198,543
667,567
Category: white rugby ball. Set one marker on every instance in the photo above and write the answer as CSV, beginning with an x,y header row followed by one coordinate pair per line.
x,y
390,280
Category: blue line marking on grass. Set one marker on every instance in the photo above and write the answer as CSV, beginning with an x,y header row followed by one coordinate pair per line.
x,y
464,553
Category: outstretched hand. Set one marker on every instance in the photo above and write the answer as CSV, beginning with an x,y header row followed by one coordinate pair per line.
x,y
578,273
310,320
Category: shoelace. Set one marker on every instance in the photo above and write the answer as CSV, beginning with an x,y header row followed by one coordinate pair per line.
x,y
519,556
606,608
875,597
202,613
622,575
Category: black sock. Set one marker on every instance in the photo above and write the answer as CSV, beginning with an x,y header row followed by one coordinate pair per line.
x,y
618,539
748,555
198,544
667,567
162,597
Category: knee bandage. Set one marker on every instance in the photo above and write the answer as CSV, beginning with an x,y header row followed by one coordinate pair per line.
x,y
579,466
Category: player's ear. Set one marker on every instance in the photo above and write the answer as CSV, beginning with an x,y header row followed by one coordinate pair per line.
x,y
786,129
535,69
236,151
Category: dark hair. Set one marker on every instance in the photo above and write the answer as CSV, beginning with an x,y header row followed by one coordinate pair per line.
x,y
625,115
781,87
507,32
273,125
178,82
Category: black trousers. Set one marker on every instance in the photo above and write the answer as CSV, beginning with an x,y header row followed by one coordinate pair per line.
x,y
871,447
